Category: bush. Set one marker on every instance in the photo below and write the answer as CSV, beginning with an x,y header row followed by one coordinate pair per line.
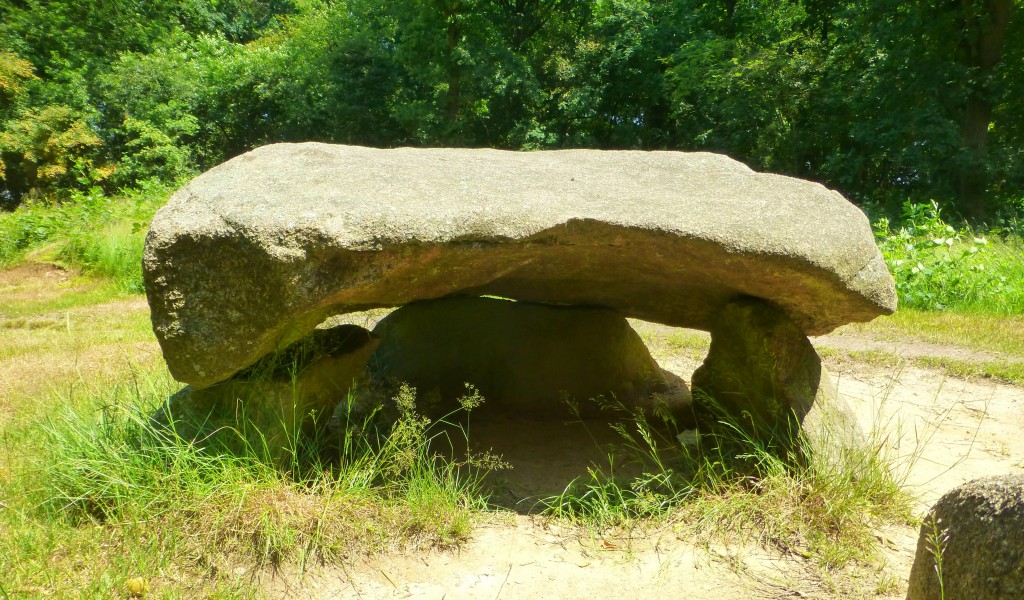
x,y
99,234
43,151
938,266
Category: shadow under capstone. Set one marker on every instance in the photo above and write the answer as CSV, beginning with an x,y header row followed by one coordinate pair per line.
x,y
544,458
559,386
279,406
527,360
555,381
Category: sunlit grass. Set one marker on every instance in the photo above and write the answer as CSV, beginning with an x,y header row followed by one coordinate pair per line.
x,y
825,501
976,331
63,331
98,476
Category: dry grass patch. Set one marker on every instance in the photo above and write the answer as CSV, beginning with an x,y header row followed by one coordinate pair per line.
x,y
1004,333
26,378
37,288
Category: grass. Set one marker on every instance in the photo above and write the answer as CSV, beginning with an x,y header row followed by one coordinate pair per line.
x,y
723,483
1002,371
1012,373
94,494
1000,333
936,539
97,478
35,335
94,233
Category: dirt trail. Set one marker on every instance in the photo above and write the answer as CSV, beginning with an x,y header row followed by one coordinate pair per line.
x,y
527,558
909,349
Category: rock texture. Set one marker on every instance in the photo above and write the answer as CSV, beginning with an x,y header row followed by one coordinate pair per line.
x,y
525,359
762,370
982,522
284,395
253,254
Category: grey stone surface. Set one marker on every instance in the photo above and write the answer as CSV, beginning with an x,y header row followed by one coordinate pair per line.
x,y
251,255
763,372
982,522
525,359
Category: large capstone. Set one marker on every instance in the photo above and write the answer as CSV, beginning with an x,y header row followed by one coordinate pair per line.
x,y
253,254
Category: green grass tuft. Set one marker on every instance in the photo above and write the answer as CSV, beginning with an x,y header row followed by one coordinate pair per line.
x,y
104,476
824,504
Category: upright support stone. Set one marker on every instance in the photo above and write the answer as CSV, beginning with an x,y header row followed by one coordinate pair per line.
x,y
762,371
526,359
284,396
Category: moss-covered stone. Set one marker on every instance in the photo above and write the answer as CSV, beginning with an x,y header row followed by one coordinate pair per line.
x,y
763,372
525,359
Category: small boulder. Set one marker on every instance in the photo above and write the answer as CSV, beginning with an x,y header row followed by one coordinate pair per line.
x,y
974,536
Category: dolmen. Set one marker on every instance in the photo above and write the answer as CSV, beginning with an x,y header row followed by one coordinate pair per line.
x,y
513,272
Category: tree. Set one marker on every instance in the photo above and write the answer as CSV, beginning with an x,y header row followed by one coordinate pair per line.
x,y
983,28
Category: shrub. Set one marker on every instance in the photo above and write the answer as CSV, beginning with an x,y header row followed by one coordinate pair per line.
x,y
99,234
939,266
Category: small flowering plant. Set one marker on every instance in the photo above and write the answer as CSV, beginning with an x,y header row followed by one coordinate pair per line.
x,y
936,265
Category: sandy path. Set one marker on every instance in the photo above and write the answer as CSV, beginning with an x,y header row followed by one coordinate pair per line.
x,y
527,558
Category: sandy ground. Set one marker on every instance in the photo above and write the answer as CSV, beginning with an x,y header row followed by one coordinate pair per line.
x,y
942,431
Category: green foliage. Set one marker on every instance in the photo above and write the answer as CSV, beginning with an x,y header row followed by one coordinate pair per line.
x,y
50,148
150,103
938,266
883,100
14,73
101,235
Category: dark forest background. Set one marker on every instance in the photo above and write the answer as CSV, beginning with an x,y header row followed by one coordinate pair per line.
x,y
887,101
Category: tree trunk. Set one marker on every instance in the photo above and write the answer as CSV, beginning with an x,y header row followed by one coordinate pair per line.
x,y
730,18
985,28
453,70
